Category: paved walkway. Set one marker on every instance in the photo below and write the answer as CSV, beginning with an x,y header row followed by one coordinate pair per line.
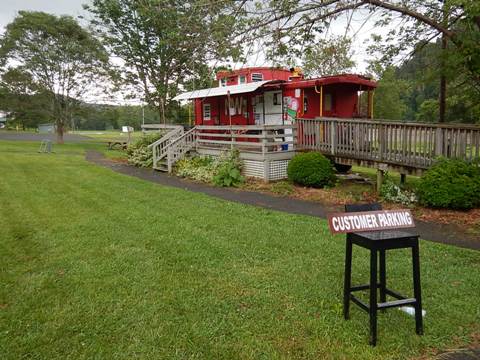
x,y
463,354
447,234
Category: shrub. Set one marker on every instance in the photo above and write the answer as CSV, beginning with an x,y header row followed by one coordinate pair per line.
x,y
228,169
138,152
394,193
200,168
453,184
224,170
311,169
141,157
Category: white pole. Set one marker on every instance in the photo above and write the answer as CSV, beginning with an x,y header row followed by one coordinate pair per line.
x,y
230,119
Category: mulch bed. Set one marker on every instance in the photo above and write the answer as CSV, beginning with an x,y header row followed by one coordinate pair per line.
x,y
341,195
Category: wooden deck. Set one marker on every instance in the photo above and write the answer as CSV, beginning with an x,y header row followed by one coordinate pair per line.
x,y
409,148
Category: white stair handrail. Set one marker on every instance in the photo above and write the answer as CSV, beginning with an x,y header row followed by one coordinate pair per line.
x,y
159,147
180,146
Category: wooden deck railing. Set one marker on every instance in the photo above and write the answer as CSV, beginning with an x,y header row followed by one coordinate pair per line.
x,y
161,146
406,144
177,148
249,138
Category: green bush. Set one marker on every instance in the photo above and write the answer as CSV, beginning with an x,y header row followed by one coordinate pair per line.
x,y
394,193
138,152
452,184
200,168
311,169
141,157
228,169
224,170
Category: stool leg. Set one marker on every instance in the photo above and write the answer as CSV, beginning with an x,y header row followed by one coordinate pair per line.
x,y
348,279
373,297
417,289
383,277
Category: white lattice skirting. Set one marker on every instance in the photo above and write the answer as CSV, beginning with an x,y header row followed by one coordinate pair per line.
x,y
266,170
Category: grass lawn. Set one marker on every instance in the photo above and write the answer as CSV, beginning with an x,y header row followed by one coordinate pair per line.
x,y
108,135
371,173
94,264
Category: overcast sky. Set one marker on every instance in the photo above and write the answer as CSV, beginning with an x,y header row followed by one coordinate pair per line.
x,y
10,8
358,27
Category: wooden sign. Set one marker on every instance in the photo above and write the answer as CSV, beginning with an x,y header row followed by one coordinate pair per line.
x,y
370,221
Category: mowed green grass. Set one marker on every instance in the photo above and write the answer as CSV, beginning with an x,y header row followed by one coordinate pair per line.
x,y
98,265
109,135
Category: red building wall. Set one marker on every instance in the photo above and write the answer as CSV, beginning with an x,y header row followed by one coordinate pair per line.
x,y
268,74
219,113
340,91
343,100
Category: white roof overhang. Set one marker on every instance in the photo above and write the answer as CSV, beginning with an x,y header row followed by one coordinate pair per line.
x,y
222,90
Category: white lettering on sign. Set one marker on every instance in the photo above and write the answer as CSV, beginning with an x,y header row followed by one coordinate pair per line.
x,y
370,221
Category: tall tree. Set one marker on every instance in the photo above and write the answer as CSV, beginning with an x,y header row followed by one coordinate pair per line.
x,y
391,95
26,104
62,59
164,43
456,21
328,57
410,91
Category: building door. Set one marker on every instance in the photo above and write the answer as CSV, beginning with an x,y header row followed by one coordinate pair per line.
x,y
258,109
273,107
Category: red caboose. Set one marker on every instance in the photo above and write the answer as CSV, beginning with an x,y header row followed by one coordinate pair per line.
x,y
273,96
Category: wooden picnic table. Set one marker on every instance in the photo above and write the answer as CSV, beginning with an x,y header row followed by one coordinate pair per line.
x,y
121,143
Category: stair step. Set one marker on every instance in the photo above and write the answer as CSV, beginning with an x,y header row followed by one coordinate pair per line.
x,y
161,167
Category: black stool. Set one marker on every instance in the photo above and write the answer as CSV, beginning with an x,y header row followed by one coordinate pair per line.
x,y
379,242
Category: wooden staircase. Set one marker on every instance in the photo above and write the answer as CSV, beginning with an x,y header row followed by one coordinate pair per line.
x,y
173,147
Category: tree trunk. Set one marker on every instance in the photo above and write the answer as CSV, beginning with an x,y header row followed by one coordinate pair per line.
x,y
443,83
443,98
59,132
162,111
443,80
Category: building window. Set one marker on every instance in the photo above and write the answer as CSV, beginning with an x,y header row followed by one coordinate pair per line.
x,y
257,77
276,99
242,79
223,82
207,115
327,102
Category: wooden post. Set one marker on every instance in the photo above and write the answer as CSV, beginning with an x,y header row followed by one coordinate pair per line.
x,y
154,156
381,141
380,176
332,136
190,114
294,137
266,171
438,141
169,160
264,140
